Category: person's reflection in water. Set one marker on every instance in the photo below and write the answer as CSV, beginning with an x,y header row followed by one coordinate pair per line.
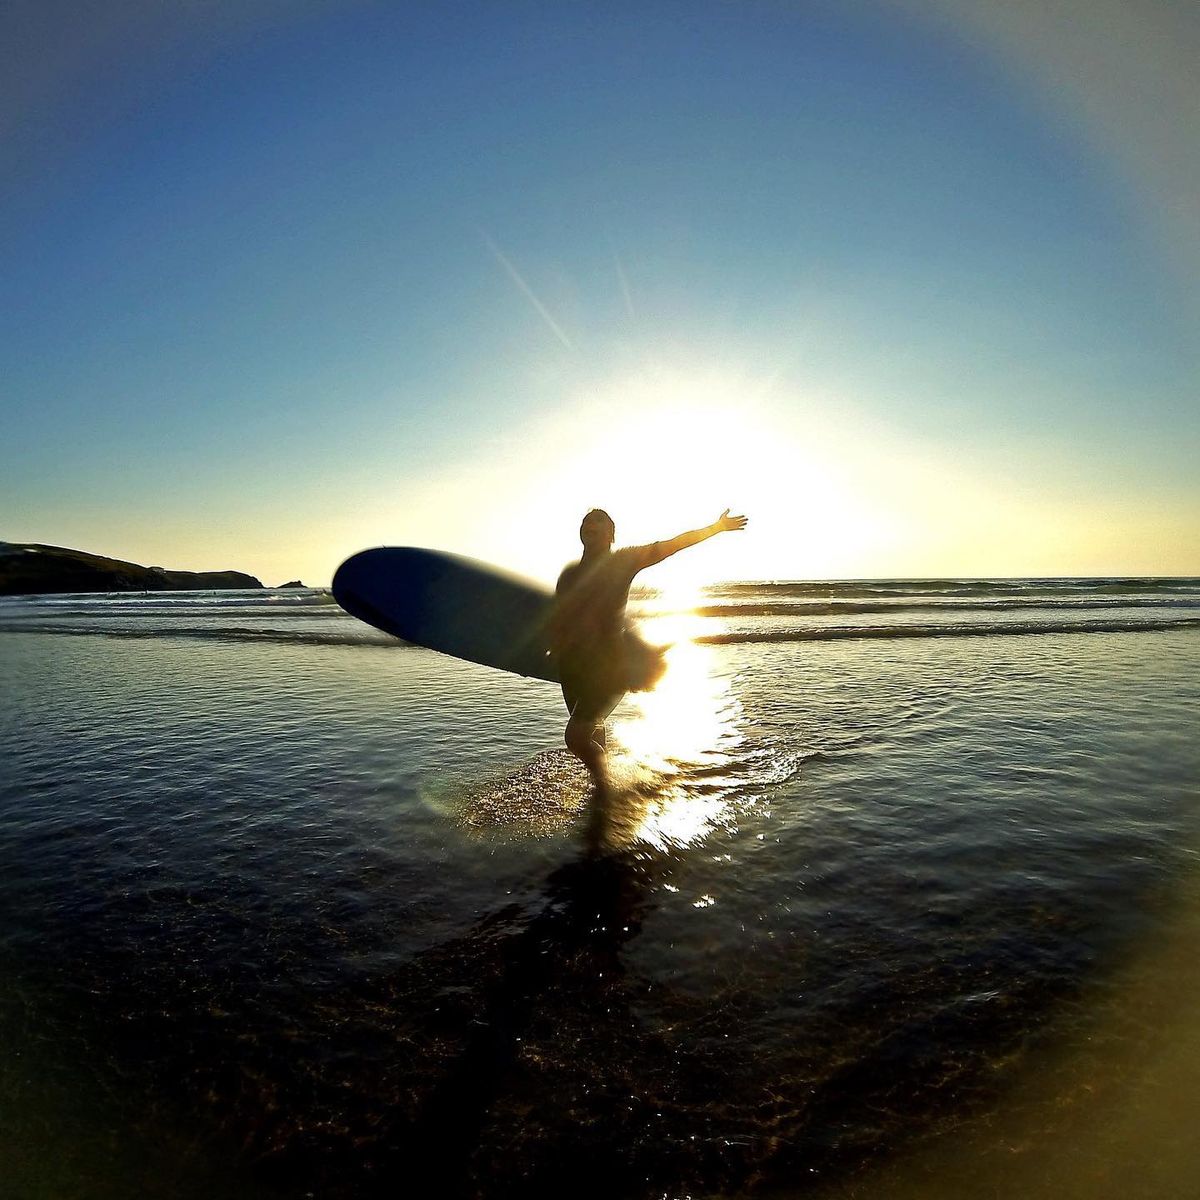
x,y
598,658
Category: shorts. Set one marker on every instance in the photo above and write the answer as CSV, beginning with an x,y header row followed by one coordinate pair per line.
x,y
591,689
594,680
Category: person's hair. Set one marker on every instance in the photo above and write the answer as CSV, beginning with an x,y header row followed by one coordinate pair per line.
x,y
597,512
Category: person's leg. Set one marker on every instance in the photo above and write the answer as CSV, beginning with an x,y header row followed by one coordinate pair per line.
x,y
585,739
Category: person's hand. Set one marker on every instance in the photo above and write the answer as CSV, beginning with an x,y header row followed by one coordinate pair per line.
x,y
725,523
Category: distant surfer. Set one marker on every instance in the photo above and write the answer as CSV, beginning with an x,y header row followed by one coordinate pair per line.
x,y
598,659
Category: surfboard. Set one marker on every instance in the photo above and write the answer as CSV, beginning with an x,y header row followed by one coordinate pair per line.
x,y
452,604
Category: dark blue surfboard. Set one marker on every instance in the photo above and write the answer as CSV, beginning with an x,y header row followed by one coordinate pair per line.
x,y
456,605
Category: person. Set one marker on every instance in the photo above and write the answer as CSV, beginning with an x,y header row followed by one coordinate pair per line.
x,y
598,658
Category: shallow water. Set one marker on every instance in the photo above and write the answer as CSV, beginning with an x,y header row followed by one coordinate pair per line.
x,y
296,916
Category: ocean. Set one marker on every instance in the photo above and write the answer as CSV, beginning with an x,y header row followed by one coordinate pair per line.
x,y
901,899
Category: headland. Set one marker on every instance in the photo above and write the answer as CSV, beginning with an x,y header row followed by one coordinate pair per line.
x,y
30,569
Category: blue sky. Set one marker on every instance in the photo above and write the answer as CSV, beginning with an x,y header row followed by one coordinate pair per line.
x,y
282,280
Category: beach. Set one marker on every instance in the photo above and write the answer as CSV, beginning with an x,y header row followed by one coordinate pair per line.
x,y
898,900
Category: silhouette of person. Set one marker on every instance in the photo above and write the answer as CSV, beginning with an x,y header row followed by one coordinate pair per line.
x,y
598,658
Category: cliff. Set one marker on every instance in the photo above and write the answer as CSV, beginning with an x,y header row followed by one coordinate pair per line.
x,y
27,568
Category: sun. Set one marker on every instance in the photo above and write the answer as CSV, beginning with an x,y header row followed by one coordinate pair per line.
x,y
666,451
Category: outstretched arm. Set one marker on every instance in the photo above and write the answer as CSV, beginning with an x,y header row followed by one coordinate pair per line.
x,y
656,552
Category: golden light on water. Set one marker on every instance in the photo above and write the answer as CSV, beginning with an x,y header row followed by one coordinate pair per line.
x,y
677,742
689,718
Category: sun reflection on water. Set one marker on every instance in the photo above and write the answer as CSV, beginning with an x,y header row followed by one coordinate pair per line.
x,y
678,741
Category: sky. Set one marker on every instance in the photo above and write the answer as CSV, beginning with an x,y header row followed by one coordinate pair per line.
x,y
915,284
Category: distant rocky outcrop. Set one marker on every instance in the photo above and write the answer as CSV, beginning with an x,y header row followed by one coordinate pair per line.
x,y
293,583
30,569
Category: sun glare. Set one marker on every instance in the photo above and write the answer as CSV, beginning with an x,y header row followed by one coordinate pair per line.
x,y
677,742
689,719
664,452
830,494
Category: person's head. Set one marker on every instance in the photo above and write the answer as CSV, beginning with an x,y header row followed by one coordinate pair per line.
x,y
597,531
